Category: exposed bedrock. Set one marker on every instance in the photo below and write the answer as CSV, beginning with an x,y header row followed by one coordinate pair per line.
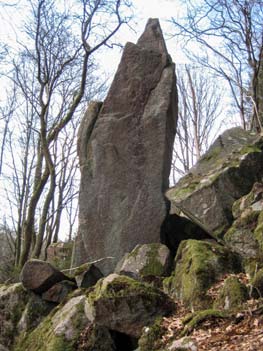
x,y
125,149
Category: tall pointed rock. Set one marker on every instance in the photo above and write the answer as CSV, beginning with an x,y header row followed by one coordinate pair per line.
x,y
125,150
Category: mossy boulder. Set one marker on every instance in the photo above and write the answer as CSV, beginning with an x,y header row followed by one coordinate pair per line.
x,y
224,174
147,260
59,331
246,234
125,305
232,295
257,284
151,338
13,300
198,265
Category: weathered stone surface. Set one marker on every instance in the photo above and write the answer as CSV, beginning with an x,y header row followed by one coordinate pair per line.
x,y
257,284
35,311
232,294
225,173
39,276
146,260
253,200
177,228
125,150
58,331
125,305
198,265
13,299
59,291
87,275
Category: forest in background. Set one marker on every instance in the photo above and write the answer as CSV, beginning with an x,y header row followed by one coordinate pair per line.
x,y
54,72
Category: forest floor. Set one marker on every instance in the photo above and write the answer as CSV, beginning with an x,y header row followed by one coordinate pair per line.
x,y
240,330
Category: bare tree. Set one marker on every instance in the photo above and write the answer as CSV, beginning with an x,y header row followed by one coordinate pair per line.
x,y
53,76
231,38
199,111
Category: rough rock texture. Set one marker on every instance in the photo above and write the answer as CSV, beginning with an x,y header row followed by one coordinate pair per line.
x,y
225,173
198,265
87,275
146,260
59,291
232,294
126,305
245,236
13,299
59,330
254,200
125,150
39,276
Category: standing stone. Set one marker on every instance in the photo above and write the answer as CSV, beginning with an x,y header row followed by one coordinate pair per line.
x,y
125,150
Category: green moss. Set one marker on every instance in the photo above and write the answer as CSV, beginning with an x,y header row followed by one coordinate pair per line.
x,y
257,284
81,269
211,154
247,149
151,339
153,266
43,338
232,295
198,265
258,233
199,317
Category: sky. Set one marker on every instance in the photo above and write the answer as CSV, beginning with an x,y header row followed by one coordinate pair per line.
x,y
11,18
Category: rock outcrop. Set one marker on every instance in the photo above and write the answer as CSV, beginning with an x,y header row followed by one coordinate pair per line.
x,y
226,172
125,149
125,305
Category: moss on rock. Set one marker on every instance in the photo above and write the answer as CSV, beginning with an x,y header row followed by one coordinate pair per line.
x,y
151,339
198,264
59,331
257,284
125,305
246,234
232,294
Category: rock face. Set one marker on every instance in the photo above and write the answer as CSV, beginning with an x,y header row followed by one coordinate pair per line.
x,y
125,149
146,261
245,236
198,265
225,173
126,305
